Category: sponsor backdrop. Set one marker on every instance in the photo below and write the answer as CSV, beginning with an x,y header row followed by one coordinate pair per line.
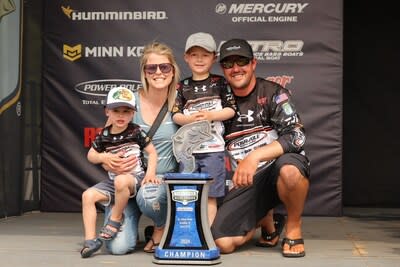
x,y
92,46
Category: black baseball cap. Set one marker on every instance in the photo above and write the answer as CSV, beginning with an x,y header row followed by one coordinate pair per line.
x,y
235,47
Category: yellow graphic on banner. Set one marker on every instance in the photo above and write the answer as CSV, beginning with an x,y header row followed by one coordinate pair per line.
x,y
67,11
72,53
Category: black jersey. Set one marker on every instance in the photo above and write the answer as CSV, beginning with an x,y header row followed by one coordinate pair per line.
x,y
265,115
131,141
209,94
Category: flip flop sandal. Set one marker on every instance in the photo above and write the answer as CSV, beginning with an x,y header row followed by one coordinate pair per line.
x,y
291,243
148,232
153,247
107,233
279,223
90,246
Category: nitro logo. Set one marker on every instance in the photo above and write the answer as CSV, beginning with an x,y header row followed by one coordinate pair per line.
x,y
185,196
89,134
113,15
275,49
247,141
73,53
283,80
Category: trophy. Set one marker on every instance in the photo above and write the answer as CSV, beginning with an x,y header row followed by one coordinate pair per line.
x,y
187,238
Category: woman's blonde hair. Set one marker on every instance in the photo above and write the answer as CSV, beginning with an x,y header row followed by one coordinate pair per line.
x,y
161,49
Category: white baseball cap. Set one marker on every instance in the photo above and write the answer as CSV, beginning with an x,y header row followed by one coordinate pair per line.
x,y
121,97
201,39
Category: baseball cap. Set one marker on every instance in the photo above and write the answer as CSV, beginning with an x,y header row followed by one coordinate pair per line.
x,y
202,39
120,97
235,47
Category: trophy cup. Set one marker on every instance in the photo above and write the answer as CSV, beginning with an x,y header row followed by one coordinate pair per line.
x,y
187,237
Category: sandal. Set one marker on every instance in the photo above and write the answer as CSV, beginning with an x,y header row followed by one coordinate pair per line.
x,y
279,223
107,233
90,246
148,232
153,247
291,243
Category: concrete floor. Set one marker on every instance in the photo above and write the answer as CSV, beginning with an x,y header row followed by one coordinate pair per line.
x,y
363,237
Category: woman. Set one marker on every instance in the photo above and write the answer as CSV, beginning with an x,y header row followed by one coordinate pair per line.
x,y
160,75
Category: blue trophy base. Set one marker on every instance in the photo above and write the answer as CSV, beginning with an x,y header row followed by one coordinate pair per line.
x,y
187,237
187,256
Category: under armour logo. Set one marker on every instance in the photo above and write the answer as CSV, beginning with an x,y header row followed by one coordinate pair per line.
x,y
247,116
203,88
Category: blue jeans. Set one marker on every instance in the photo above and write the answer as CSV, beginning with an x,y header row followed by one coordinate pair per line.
x,y
151,200
125,241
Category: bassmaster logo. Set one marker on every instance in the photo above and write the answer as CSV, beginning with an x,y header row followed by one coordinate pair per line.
x,y
113,15
264,50
260,12
75,52
184,196
94,92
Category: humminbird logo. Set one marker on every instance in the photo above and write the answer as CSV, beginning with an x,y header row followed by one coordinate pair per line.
x,y
254,12
185,196
73,53
113,15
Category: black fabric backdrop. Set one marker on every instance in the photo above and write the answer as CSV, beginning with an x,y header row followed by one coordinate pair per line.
x,y
84,56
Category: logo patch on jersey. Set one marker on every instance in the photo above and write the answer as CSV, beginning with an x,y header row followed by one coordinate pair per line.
x,y
262,100
247,141
287,109
280,98
202,88
247,116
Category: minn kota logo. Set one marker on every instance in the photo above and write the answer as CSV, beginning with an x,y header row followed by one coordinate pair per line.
x,y
72,53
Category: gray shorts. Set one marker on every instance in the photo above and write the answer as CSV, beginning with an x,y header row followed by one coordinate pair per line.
x,y
244,207
107,188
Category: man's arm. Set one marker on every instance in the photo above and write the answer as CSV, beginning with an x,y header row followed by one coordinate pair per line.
x,y
247,167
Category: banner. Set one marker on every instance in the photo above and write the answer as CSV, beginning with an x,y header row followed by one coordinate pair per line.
x,y
93,46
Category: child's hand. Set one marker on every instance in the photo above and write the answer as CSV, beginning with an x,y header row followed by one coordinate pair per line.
x,y
119,164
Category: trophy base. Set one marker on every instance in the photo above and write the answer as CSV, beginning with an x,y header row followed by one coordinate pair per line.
x,y
187,256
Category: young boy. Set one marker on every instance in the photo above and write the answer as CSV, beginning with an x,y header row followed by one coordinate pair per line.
x,y
205,96
122,138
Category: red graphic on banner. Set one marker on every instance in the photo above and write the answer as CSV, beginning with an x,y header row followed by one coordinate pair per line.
x,y
89,134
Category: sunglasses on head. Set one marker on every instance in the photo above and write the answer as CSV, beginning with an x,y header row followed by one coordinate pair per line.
x,y
152,68
240,61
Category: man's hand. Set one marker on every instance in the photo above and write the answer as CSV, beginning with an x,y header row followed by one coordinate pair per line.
x,y
244,172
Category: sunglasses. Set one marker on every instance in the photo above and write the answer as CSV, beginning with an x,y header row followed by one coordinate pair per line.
x,y
240,61
152,68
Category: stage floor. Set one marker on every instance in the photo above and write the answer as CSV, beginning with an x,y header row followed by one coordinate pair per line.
x,y
363,237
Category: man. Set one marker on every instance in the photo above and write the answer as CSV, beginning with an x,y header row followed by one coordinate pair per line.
x,y
265,139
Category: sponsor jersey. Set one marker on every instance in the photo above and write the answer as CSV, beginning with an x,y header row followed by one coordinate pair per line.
x,y
209,94
131,141
265,115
